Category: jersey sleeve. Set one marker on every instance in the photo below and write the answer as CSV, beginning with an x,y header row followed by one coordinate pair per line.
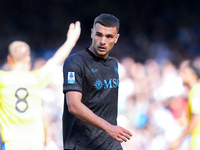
x,y
44,77
195,106
72,74
195,102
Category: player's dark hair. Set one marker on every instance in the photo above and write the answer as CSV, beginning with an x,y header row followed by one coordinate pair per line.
x,y
107,20
194,68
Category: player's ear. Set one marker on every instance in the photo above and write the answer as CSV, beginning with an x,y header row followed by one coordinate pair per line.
x,y
92,33
28,58
9,59
117,37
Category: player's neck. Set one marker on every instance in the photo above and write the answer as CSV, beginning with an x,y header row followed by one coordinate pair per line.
x,y
20,67
192,83
92,49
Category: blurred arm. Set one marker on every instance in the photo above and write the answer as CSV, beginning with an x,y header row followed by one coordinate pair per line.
x,y
63,52
190,127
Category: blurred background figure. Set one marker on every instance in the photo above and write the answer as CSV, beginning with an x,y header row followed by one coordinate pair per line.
x,y
190,75
21,117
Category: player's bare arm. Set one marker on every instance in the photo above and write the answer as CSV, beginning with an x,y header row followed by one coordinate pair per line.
x,y
62,53
190,127
77,108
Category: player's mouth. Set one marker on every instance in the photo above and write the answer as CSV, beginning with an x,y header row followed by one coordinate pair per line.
x,y
102,48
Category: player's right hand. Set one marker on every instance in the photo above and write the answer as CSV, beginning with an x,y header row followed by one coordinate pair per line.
x,y
74,32
119,133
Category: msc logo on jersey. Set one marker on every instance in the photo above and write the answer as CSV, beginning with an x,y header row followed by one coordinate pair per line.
x,y
111,83
71,77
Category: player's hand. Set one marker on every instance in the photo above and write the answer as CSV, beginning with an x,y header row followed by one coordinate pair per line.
x,y
74,32
118,133
174,145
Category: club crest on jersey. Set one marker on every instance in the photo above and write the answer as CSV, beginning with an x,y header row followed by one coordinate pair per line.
x,y
98,84
71,77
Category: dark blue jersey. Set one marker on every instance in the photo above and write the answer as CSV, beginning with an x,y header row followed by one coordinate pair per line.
x,y
98,81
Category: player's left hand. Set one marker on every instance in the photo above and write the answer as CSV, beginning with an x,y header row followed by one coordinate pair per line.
x,y
174,145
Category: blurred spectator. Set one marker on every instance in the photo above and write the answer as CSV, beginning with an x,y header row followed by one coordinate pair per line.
x,y
190,75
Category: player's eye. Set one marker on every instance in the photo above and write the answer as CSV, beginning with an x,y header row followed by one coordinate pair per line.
x,y
98,34
109,36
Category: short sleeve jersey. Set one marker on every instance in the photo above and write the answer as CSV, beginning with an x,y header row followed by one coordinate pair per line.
x,y
98,81
194,105
20,105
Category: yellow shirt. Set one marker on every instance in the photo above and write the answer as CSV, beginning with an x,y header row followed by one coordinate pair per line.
x,y
20,105
194,105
